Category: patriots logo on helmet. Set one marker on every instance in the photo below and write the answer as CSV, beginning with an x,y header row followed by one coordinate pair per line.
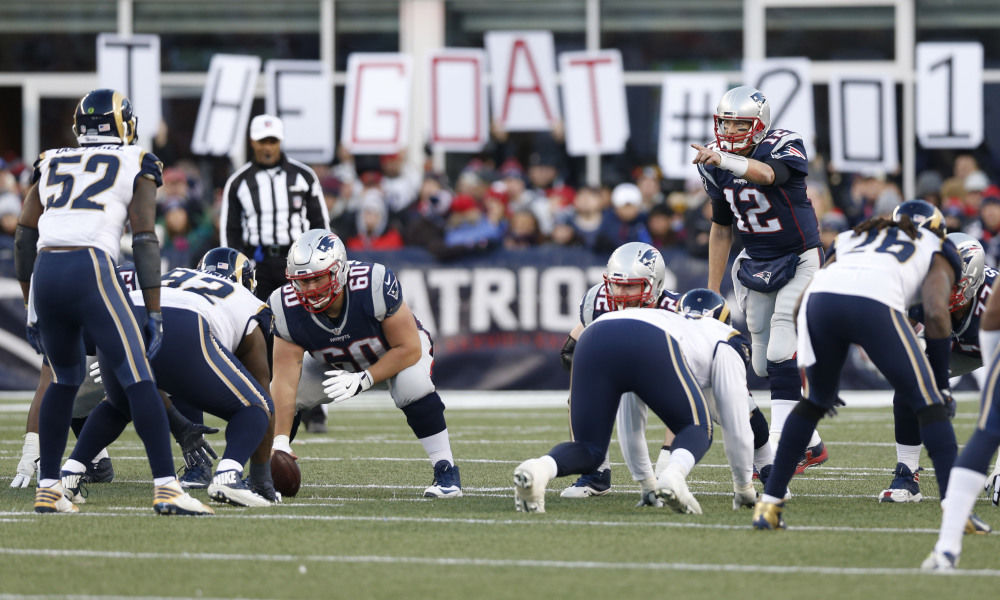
x,y
758,98
648,258
765,275
326,243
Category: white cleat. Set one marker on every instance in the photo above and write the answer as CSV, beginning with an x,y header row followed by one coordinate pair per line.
x,y
939,562
171,499
745,497
228,486
529,487
672,488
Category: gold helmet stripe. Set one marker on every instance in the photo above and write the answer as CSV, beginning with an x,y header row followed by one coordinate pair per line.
x,y
116,100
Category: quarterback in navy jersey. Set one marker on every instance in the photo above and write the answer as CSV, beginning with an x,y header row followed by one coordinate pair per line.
x,y
351,316
755,177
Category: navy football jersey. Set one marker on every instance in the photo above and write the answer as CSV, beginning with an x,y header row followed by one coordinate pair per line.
x,y
772,221
595,303
965,335
354,341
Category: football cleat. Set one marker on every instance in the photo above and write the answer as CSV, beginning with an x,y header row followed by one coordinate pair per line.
x,y
816,455
764,473
597,483
73,488
993,487
99,472
53,499
976,526
767,515
229,487
745,497
529,487
939,561
265,489
905,486
197,477
447,481
171,499
673,490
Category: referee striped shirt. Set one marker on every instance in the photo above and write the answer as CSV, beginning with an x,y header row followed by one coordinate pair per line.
x,y
264,207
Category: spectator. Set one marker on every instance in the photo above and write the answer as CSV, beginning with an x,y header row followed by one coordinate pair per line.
x,y
865,189
373,228
624,222
10,208
987,228
400,182
697,226
468,228
661,225
929,188
975,184
831,224
581,226
522,231
648,181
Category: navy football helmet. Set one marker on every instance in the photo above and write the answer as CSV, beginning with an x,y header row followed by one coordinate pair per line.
x,y
634,264
318,253
703,302
923,214
105,117
230,264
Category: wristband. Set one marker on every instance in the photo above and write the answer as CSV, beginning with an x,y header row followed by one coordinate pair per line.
x,y
733,163
281,443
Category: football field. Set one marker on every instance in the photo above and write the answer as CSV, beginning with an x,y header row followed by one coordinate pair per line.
x,y
359,527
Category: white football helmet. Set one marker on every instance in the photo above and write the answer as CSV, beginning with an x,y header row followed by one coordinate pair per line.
x,y
634,263
317,269
742,103
973,270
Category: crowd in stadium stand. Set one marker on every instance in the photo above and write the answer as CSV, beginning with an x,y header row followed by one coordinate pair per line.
x,y
519,194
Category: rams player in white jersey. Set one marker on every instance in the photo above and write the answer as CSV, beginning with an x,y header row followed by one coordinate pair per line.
x,y
66,248
860,297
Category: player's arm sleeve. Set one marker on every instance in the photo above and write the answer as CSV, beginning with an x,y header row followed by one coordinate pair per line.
x,y
790,152
729,385
781,171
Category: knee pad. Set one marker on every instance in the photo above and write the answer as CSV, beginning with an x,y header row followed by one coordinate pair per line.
x,y
783,344
758,358
758,424
784,380
808,410
426,416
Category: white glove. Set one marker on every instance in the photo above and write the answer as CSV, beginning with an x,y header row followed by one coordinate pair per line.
x,y
95,372
342,385
744,495
647,494
281,442
28,465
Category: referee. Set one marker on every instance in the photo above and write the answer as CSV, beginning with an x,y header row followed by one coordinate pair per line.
x,y
268,203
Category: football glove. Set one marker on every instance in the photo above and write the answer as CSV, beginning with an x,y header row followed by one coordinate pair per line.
x,y
154,331
281,442
992,487
196,449
342,385
34,337
647,494
28,465
949,403
95,372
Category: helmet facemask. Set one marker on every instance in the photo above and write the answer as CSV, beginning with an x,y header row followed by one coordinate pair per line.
x,y
316,296
618,300
738,142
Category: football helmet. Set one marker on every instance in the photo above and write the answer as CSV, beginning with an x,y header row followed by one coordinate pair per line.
x,y
923,214
230,264
973,270
316,255
105,117
703,302
634,263
742,103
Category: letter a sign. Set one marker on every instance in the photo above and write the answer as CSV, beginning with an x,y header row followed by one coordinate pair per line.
x,y
522,67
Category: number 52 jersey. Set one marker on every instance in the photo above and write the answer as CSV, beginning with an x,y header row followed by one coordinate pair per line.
x,y
885,265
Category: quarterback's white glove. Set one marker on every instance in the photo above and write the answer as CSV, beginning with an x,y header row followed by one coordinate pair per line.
x,y
992,487
342,385
95,372
28,465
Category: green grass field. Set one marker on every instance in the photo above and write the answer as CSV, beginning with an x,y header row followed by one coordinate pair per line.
x,y
359,527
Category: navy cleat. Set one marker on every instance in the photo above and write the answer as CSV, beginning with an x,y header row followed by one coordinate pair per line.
x,y
197,477
905,486
597,483
940,562
100,472
976,526
228,486
814,456
767,515
447,481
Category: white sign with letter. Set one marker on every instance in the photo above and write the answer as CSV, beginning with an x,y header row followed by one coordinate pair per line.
x,y
457,117
950,94
787,85
593,88
687,106
131,65
523,78
377,103
224,112
863,123
300,93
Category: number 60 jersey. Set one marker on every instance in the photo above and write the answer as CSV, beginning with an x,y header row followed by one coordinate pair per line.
x,y
86,191
886,265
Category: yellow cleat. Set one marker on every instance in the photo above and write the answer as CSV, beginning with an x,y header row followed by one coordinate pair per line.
x,y
767,515
977,526
171,499
52,499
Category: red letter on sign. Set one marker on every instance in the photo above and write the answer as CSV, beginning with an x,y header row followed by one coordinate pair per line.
x,y
536,88
590,64
387,112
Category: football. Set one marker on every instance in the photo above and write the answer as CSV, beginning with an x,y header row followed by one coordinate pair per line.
x,y
286,474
